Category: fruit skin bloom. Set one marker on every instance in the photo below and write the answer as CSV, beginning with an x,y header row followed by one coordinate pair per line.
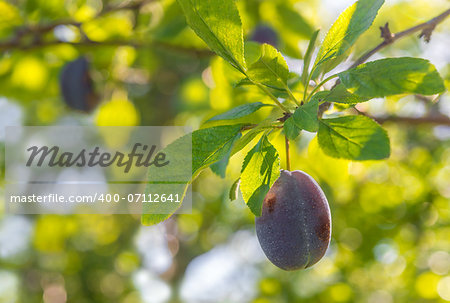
x,y
295,226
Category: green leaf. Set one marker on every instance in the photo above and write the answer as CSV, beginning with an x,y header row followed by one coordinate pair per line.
x,y
252,52
320,95
354,21
154,213
340,94
290,129
209,145
246,139
239,111
219,25
220,166
305,116
271,68
234,190
260,170
252,134
354,138
393,76
152,219
308,56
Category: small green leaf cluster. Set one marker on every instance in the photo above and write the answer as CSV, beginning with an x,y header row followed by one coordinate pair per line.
x,y
354,137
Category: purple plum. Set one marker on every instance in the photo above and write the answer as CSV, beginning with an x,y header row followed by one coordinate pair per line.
x,y
294,228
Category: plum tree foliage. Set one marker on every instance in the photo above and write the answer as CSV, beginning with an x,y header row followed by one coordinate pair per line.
x,y
298,244
249,62
297,102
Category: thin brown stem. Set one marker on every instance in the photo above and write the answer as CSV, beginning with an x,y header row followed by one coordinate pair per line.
x,y
288,156
248,127
432,119
318,86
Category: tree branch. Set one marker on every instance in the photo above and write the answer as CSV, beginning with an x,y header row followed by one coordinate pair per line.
x,y
432,119
44,28
37,31
88,43
426,29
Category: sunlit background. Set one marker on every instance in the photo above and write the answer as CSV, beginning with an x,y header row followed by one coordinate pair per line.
x,y
391,219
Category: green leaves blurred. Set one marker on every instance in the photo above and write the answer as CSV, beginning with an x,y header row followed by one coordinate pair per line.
x,y
289,23
10,17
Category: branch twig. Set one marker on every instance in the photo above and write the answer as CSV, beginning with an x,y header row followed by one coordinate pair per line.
x,y
432,119
88,43
16,42
426,29
288,156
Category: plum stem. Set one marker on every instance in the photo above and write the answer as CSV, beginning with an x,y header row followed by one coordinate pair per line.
x,y
288,157
319,86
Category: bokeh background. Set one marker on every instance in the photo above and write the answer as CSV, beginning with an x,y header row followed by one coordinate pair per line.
x,y
391,219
